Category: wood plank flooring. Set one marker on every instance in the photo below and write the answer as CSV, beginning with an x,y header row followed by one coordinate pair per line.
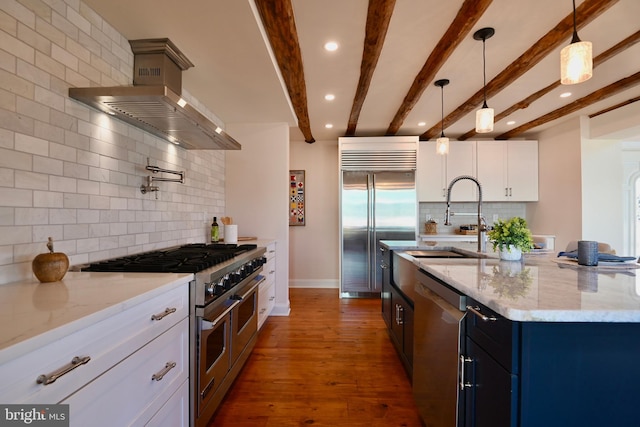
x,y
330,363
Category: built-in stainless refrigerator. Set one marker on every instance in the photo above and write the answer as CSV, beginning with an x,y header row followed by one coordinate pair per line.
x,y
375,205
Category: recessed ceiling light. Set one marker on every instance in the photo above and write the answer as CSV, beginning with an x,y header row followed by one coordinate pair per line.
x,y
328,125
329,97
422,124
331,46
511,122
565,94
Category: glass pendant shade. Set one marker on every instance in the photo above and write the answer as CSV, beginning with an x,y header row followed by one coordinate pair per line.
x,y
484,120
576,63
442,145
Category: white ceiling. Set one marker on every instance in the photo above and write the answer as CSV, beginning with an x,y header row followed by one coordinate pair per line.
x,y
236,78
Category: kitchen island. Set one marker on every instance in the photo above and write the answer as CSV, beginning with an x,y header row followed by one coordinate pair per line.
x,y
537,342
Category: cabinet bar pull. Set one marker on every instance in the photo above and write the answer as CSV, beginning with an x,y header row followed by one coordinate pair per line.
x,y
484,317
463,360
52,377
166,312
169,366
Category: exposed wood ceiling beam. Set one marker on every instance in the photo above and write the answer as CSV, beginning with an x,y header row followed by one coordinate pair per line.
x,y
615,107
576,105
279,23
610,53
468,15
378,17
585,13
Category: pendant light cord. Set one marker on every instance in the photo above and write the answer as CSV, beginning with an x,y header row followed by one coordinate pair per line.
x,y
442,111
575,38
484,73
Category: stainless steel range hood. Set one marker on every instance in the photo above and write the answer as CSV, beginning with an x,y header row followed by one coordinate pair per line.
x,y
154,103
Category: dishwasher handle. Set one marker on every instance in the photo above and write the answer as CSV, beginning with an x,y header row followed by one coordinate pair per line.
x,y
476,310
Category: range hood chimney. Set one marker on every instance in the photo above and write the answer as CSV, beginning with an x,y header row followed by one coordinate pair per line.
x,y
154,103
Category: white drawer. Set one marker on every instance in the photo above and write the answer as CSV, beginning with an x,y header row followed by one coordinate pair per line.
x,y
269,270
271,251
175,411
127,394
106,343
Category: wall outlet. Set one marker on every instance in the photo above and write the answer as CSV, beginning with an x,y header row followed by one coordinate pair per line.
x,y
495,218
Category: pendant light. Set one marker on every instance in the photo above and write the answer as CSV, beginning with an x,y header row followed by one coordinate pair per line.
x,y
484,116
442,143
576,60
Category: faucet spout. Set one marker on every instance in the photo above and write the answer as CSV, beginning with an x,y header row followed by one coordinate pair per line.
x,y
482,227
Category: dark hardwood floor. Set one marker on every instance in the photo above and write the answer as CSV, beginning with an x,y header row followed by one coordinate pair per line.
x,y
330,363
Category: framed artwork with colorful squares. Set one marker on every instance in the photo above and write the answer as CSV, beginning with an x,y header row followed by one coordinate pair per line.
x,y
296,198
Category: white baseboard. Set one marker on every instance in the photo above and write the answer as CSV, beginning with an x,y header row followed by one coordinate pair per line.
x,y
315,283
281,310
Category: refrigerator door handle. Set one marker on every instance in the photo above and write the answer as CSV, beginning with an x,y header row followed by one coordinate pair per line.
x,y
371,185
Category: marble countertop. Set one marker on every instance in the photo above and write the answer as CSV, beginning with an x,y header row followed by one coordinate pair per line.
x,y
33,314
541,287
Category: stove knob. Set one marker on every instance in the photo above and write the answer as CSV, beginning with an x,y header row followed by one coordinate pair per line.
x,y
210,288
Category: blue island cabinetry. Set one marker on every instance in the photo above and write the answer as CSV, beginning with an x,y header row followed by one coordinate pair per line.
x,y
532,374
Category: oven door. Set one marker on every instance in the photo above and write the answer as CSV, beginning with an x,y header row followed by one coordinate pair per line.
x,y
214,352
244,317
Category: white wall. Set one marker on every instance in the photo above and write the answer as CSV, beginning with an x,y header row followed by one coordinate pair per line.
x,y
74,174
315,251
559,209
257,195
603,192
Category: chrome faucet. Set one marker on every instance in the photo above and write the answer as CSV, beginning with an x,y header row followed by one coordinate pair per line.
x,y
482,227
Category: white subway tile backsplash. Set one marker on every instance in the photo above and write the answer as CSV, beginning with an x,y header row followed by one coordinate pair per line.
x,y
42,232
76,231
14,235
31,180
47,199
63,184
72,173
75,201
16,197
32,216
29,144
48,166
17,47
62,216
6,255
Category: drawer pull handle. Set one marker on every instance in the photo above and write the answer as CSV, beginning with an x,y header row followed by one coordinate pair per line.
x,y
271,298
262,310
464,360
166,312
52,377
169,366
484,317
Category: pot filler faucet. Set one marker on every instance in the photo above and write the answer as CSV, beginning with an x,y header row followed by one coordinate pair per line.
x,y
482,227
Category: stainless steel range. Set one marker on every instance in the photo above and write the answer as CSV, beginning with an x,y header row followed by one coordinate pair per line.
x,y
223,316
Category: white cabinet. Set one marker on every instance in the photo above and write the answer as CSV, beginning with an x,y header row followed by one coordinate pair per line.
x,y
508,170
267,292
435,171
122,353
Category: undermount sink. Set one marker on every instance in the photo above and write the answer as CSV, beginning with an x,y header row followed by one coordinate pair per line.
x,y
443,254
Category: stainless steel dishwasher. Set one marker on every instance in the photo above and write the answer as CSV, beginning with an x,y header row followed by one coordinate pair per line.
x,y
438,339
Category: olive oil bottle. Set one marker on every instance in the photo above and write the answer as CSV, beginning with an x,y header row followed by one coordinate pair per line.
x,y
215,231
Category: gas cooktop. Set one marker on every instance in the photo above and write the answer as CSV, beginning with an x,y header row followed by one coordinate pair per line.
x,y
190,258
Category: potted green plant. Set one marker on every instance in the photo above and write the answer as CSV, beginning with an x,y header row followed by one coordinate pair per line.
x,y
510,238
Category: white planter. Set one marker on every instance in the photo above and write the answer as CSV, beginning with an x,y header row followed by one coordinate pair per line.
x,y
511,253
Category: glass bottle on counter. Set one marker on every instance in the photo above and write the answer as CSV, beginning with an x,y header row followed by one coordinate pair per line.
x,y
215,231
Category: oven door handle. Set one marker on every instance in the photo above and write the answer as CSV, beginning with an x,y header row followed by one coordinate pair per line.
x,y
210,324
258,279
